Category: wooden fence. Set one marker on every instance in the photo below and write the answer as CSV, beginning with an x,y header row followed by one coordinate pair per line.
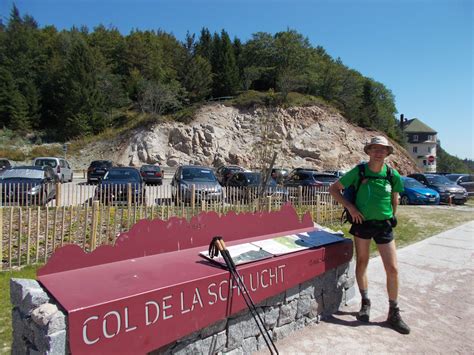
x,y
29,234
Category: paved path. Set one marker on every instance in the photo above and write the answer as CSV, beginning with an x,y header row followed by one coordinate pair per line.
x,y
436,299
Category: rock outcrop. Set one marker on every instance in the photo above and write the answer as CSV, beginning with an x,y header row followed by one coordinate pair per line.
x,y
302,136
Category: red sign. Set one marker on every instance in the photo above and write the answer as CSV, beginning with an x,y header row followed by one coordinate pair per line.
x,y
139,303
431,159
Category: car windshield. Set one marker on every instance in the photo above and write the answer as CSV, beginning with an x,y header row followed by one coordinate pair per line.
x,y
23,173
202,175
453,177
438,180
48,162
100,164
412,183
128,175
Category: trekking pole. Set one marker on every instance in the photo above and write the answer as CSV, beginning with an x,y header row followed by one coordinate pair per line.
x,y
217,245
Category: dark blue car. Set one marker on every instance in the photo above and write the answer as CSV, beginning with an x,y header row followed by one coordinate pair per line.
x,y
121,186
415,193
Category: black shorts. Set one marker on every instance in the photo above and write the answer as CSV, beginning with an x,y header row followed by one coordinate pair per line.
x,y
381,231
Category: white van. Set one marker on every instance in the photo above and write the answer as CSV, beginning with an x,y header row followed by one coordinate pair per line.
x,y
61,167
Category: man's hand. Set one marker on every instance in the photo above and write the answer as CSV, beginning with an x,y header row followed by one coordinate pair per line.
x,y
393,221
357,217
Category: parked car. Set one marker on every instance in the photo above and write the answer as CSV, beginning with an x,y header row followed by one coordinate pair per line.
x,y
246,186
464,180
337,173
28,185
446,188
206,185
4,164
415,193
97,170
152,174
61,167
114,187
225,172
280,174
309,178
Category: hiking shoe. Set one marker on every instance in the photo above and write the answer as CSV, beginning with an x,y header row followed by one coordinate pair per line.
x,y
395,321
364,312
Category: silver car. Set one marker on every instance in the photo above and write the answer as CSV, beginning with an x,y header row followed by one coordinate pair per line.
x,y
61,167
200,179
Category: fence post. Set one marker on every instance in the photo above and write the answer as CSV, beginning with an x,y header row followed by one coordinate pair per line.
x,y
58,194
20,230
1,233
269,201
95,212
318,208
28,236
300,196
193,197
10,233
129,195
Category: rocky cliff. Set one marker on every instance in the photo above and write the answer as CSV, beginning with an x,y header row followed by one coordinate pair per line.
x,y
303,137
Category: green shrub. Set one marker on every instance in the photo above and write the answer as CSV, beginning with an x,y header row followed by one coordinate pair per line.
x,y
46,151
13,154
186,115
250,99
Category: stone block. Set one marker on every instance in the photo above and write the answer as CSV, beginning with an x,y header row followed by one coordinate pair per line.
x,y
287,313
307,288
57,343
214,343
236,351
240,328
214,328
33,299
271,316
19,288
283,331
350,295
274,301
49,317
292,294
250,345
304,306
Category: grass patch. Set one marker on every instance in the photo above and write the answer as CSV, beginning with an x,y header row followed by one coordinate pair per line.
x,y
28,272
416,223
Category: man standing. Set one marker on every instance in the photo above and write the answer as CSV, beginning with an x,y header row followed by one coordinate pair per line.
x,y
373,216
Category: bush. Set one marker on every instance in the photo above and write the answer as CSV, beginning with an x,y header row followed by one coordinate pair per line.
x,y
13,154
46,151
186,115
249,99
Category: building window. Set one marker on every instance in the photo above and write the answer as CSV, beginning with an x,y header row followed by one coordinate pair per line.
x,y
429,149
415,149
415,138
424,162
430,137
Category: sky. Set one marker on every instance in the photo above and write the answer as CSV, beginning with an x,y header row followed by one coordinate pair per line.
x,y
421,50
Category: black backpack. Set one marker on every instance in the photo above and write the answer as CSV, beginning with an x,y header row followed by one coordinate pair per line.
x,y
350,193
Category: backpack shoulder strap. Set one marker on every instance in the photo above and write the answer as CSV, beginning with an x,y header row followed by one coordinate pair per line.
x,y
389,174
361,168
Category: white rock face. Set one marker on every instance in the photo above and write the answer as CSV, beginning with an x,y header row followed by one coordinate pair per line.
x,y
306,136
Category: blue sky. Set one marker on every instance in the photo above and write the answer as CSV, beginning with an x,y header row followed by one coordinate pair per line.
x,y
422,50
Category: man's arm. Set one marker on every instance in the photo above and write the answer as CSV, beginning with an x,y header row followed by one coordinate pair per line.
x,y
394,202
335,190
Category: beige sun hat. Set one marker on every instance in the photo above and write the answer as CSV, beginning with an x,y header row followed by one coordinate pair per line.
x,y
379,140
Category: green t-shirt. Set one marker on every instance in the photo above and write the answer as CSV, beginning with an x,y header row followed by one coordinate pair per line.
x,y
374,198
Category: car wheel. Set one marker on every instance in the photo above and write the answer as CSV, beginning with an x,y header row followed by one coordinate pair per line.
x,y
72,177
405,200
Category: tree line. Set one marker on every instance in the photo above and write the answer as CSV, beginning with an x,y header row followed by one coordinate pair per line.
x,y
70,83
